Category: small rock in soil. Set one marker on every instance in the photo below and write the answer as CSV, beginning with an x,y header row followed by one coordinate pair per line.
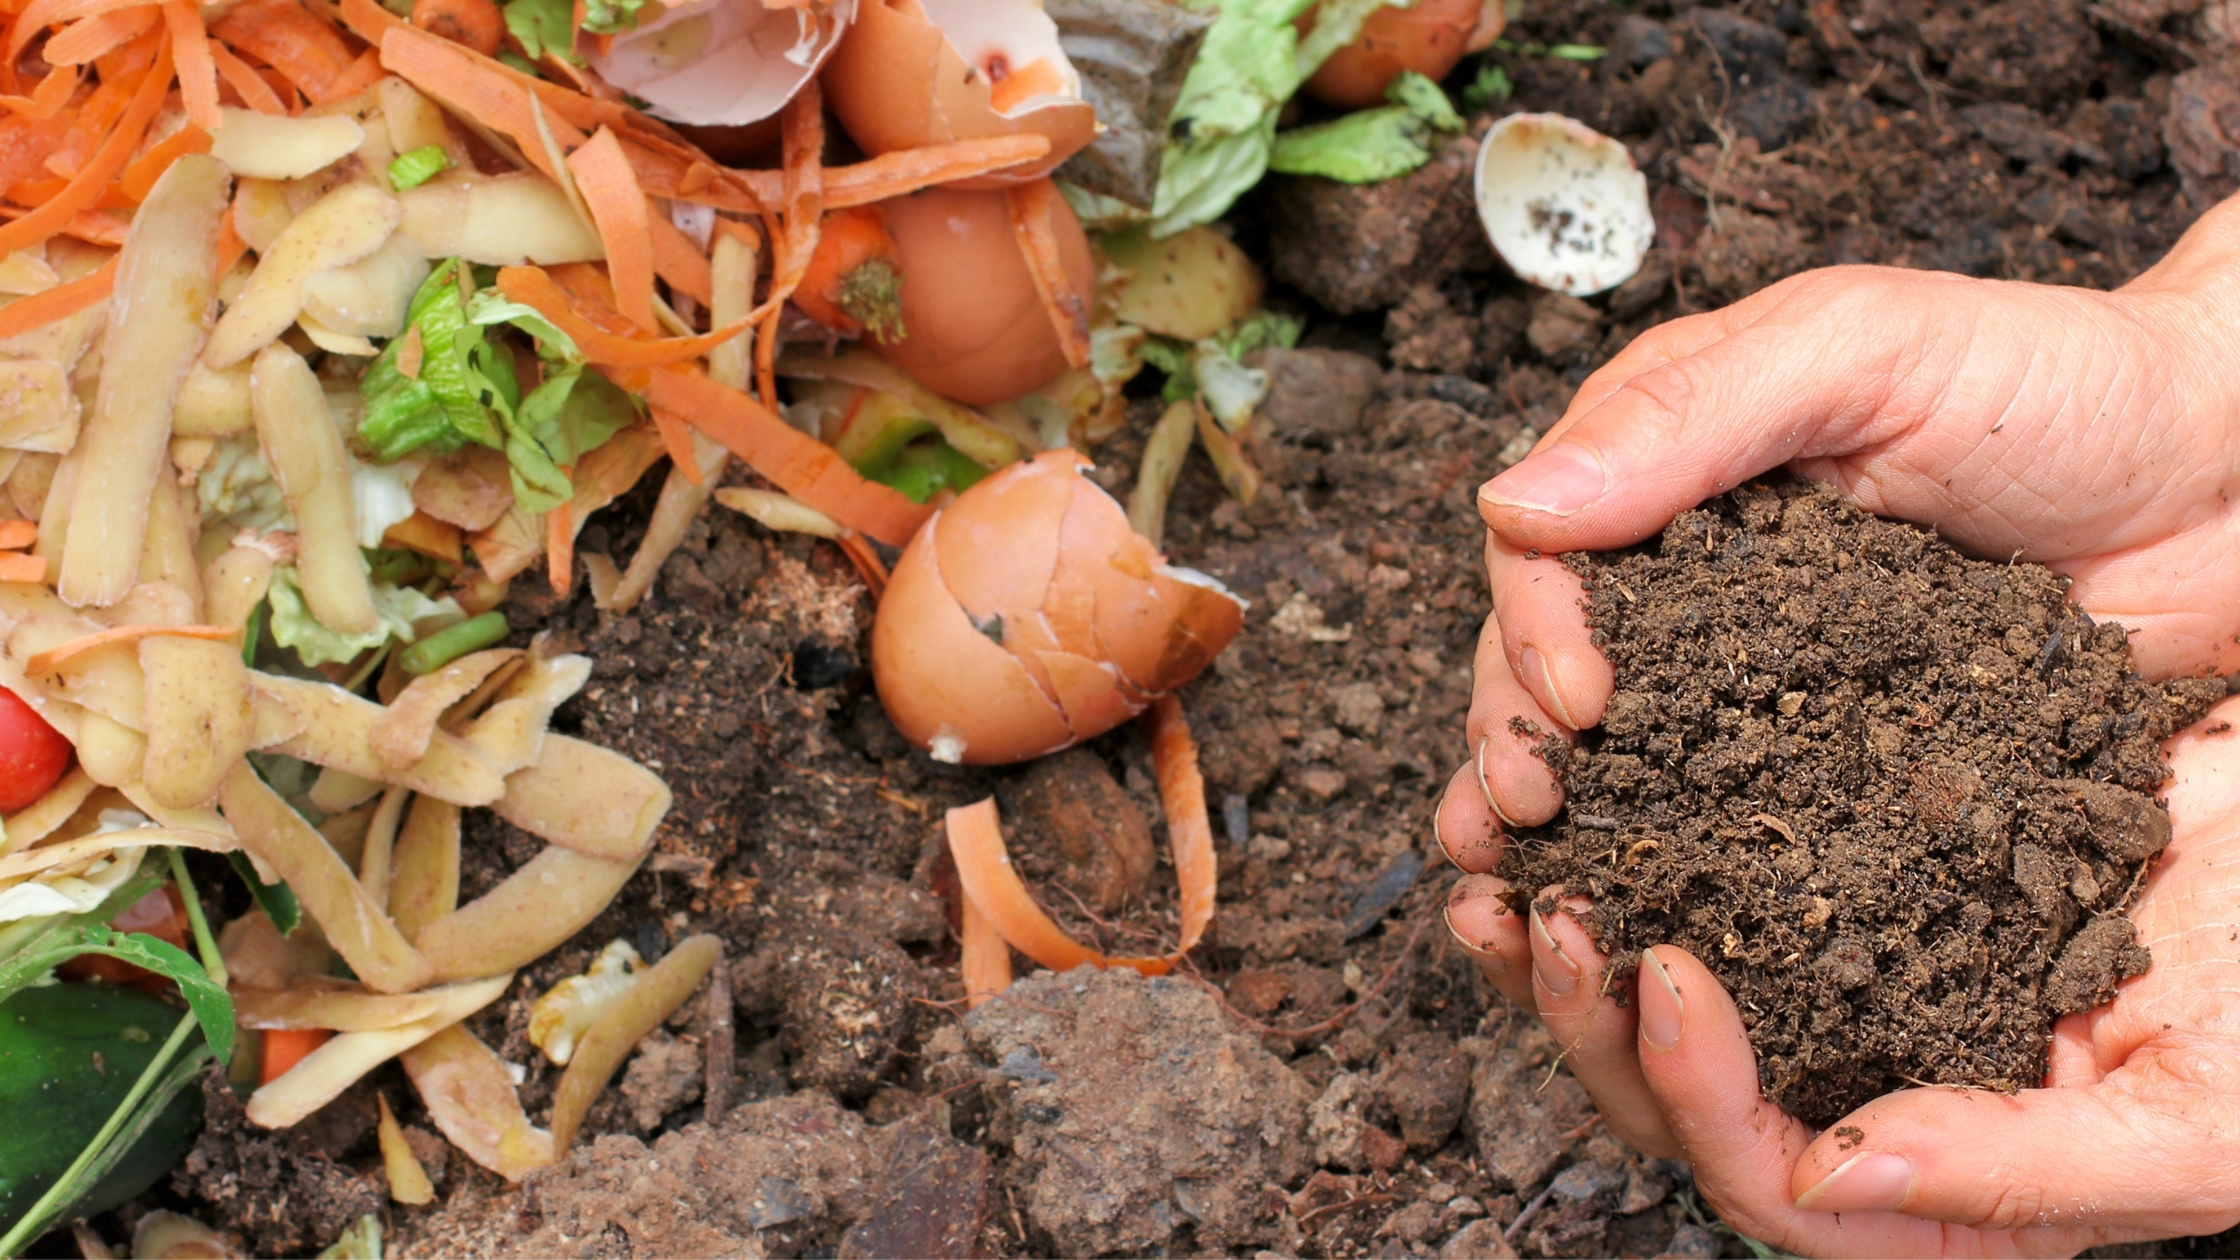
x,y
775,1178
1426,332
1523,1119
1335,1124
275,1188
1161,1112
1425,1083
937,1196
1069,805
1479,1240
1872,784
663,1076
1360,247
1315,393
2203,129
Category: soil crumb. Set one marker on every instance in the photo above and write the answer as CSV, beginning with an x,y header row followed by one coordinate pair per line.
x,y
1895,798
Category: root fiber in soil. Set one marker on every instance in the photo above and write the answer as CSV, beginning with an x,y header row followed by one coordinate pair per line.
x,y
1896,799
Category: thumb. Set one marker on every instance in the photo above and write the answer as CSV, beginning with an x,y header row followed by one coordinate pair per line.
x,y
2145,1149
1809,374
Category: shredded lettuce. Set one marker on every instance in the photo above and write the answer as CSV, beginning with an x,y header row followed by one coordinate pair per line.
x,y
295,628
382,495
410,170
1224,122
613,17
236,487
544,27
1373,144
1212,367
466,390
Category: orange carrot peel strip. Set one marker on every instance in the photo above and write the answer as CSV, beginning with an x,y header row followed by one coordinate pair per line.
x,y
676,439
618,209
60,302
44,662
98,36
868,565
677,260
85,190
534,287
17,567
49,97
473,86
16,535
903,171
796,463
1034,212
41,14
149,167
990,883
987,957
198,72
803,211
243,78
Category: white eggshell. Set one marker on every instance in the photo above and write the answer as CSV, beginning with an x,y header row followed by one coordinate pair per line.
x,y
1563,203
724,62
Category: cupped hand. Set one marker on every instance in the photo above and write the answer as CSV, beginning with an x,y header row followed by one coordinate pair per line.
x,y
2092,432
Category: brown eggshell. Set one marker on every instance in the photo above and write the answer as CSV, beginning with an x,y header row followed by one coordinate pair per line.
x,y
1077,599
898,82
977,329
940,678
1429,38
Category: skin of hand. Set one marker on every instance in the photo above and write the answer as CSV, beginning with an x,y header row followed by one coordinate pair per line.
x,y
2092,432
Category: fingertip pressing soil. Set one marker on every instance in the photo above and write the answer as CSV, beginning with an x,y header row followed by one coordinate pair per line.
x,y
1896,799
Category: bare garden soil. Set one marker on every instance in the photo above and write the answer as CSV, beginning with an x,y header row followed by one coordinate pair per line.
x,y
1329,1078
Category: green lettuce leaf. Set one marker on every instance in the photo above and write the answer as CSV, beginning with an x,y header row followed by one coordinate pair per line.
x,y
543,27
1373,144
294,627
613,17
1224,122
410,170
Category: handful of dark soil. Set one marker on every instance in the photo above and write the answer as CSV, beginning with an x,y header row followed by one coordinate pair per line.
x,y
1895,798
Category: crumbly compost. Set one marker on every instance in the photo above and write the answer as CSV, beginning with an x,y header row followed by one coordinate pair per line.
x,y
1896,799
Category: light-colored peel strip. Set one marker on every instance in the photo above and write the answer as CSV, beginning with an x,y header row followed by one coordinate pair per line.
x,y
323,1074
586,798
424,867
70,852
990,883
376,858
652,997
402,734
41,818
339,1006
408,1180
471,1098
327,726
358,929
544,902
48,660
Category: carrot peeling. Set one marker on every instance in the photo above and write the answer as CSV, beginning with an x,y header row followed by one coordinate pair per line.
x,y
198,72
532,286
149,167
676,439
98,36
903,171
17,567
994,887
618,209
16,535
560,548
46,100
987,957
868,565
46,661
60,302
474,23
85,190
41,14
1035,208
473,86
286,1047
239,75
679,262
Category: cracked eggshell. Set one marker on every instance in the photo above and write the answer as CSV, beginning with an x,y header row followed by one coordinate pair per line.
x,y
975,328
1563,204
1027,616
724,63
919,72
1428,37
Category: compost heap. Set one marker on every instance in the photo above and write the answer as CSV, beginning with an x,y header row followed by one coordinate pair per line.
x,y
1896,799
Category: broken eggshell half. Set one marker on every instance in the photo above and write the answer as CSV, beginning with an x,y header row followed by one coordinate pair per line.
x,y
1562,203
921,72
1027,616
724,63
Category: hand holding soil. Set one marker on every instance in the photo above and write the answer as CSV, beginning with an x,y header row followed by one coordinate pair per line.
x,y
2089,432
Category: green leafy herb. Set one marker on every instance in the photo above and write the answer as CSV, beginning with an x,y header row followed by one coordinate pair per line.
x,y
212,1008
410,170
1224,122
544,27
923,467
614,17
1262,329
1173,358
277,900
1489,88
1374,144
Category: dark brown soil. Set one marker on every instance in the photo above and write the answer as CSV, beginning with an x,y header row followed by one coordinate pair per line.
x,y
1775,137
1896,799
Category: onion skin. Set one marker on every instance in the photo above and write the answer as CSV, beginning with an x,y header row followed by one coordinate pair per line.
x,y
896,83
1428,38
1026,616
977,329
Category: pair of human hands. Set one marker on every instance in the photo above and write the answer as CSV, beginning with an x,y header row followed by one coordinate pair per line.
x,y
2097,433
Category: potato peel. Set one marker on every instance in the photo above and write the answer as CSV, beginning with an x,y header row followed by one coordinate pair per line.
x,y
652,997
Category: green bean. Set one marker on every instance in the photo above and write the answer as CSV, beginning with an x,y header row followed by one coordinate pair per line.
x,y
445,646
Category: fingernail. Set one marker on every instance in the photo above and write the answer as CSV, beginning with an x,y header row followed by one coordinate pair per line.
x,y
1661,1010
1488,962
1554,968
1485,785
1535,663
1870,1182
1558,480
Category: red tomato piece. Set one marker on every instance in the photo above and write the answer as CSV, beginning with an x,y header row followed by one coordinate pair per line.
x,y
33,755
